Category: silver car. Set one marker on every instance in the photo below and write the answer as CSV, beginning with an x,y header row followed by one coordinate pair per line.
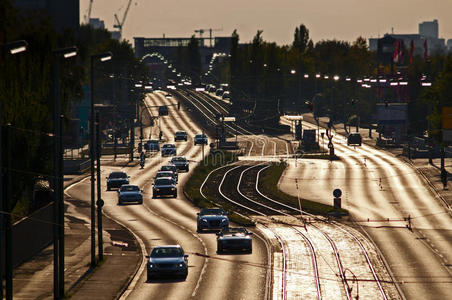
x,y
234,239
130,193
168,261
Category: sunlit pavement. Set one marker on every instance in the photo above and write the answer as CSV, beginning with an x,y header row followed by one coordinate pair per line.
x,y
388,197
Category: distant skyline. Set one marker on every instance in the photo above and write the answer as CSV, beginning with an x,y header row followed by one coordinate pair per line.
x,y
325,19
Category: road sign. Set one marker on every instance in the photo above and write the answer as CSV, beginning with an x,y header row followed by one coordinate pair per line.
x,y
337,193
100,203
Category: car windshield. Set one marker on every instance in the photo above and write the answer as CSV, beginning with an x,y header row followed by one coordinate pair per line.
x,y
129,188
167,252
163,181
234,231
164,174
179,159
153,142
212,211
180,133
200,136
168,146
118,175
168,168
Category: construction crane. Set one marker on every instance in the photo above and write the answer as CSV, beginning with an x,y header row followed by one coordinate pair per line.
x,y
88,15
201,32
118,24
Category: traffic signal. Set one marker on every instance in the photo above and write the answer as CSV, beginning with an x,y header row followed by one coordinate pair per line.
x,y
309,106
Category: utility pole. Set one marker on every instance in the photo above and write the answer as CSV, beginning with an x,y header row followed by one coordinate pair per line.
x,y
99,197
7,206
56,180
93,179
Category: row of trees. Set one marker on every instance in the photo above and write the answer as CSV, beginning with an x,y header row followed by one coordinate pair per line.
x,y
270,79
26,87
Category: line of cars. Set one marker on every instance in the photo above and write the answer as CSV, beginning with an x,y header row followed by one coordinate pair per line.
x,y
172,262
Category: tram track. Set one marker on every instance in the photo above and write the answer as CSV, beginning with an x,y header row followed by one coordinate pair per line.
x,y
263,206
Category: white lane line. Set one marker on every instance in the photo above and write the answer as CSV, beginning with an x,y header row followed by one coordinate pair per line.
x,y
204,267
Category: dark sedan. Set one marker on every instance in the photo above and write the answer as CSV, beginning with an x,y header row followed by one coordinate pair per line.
x,y
212,219
180,136
181,163
170,261
164,186
168,150
116,179
130,193
234,239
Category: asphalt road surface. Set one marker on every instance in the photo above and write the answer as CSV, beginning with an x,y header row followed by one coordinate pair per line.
x,y
173,221
382,192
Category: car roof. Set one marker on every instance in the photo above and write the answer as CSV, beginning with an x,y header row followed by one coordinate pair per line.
x,y
167,246
180,131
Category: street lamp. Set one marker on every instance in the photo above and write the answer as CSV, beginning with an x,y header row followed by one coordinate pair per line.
x,y
58,204
105,56
13,48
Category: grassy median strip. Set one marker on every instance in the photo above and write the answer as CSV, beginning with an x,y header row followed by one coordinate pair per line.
x,y
214,160
268,185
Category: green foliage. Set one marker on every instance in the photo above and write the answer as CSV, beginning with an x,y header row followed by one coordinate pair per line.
x,y
26,98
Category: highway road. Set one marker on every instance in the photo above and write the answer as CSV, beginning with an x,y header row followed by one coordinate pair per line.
x,y
382,192
379,190
173,221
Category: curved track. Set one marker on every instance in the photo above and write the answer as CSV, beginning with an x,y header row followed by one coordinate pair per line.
x,y
327,284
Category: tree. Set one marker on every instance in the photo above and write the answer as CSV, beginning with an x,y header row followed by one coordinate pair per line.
x,y
194,60
301,38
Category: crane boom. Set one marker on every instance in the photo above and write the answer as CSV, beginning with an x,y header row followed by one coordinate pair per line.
x,y
88,15
118,24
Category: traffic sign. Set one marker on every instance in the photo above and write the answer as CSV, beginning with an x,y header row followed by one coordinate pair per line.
x,y
100,203
337,193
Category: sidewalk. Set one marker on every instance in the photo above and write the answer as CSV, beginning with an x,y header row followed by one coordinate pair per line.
x,y
431,173
122,258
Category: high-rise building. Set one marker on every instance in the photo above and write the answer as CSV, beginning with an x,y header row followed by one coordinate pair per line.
x,y
64,13
429,29
97,23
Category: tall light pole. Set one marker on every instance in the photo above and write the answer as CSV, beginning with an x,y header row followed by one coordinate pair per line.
x,y
58,203
13,48
92,146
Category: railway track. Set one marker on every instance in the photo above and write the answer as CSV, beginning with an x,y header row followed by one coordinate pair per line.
x,y
327,268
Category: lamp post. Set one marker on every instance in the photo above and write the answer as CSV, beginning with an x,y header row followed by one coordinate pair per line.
x,y
13,48
101,57
58,204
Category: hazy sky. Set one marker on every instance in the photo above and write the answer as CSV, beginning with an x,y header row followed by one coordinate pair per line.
x,y
325,19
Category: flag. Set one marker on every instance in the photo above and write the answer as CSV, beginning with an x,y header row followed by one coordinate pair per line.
x,y
411,51
395,55
425,50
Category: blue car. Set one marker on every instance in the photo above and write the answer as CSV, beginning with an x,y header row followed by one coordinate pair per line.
x,y
169,261
212,219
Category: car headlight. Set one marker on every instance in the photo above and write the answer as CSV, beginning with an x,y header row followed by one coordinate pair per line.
x,y
181,265
157,190
173,189
151,265
204,220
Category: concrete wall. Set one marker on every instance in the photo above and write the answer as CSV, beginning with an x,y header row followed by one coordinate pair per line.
x,y
30,235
